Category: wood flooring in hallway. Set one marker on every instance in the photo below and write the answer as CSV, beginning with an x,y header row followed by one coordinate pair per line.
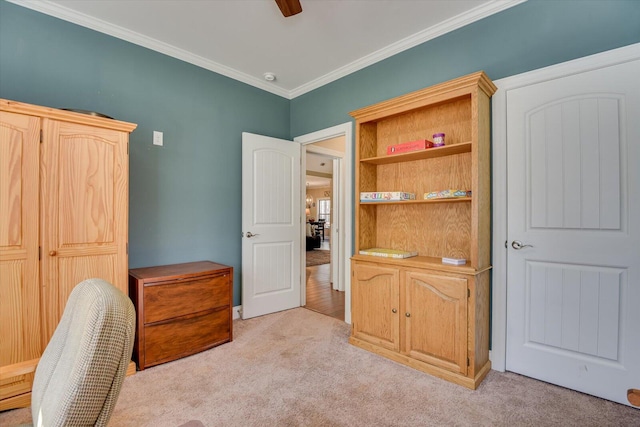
x,y
320,296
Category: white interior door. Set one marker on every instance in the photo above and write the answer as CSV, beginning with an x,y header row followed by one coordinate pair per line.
x,y
271,212
573,264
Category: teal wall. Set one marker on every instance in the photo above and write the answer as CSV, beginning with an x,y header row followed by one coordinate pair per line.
x,y
532,35
185,202
185,197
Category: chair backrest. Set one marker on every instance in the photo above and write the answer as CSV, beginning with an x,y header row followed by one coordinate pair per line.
x,y
80,373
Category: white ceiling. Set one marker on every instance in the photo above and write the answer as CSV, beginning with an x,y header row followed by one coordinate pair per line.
x,y
243,39
322,165
317,182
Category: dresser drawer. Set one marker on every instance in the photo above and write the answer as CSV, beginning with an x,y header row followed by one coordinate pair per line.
x,y
182,337
176,299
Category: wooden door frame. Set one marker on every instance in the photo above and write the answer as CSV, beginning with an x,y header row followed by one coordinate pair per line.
x,y
499,158
346,230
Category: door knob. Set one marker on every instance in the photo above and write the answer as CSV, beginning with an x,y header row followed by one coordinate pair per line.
x,y
393,310
517,245
250,234
52,253
407,314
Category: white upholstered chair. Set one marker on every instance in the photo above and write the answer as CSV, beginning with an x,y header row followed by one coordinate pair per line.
x,y
80,373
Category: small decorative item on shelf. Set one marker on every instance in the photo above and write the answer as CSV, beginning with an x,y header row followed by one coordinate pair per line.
x,y
388,253
438,139
454,261
385,196
406,147
446,194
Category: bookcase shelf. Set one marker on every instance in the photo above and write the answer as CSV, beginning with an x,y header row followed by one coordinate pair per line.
x,y
430,153
419,262
421,201
418,311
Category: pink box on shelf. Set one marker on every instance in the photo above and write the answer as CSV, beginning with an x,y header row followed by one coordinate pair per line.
x,y
405,147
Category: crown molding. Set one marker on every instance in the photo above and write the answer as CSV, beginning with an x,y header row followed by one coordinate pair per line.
x,y
66,14
416,39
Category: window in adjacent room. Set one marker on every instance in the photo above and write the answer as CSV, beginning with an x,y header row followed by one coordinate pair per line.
x,y
324,211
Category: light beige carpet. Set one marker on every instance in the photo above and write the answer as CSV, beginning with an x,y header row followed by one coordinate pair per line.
x,y
295,368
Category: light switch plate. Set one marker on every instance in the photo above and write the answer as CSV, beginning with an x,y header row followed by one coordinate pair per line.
x,y
157,138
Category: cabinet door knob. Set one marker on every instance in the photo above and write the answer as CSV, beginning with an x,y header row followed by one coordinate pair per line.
x,y
52,253
393,310
407,314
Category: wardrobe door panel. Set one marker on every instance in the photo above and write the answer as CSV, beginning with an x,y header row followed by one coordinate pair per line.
x,y
20,337
84,198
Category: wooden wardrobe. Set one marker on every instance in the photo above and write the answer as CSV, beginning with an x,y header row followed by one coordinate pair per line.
x,y
63,218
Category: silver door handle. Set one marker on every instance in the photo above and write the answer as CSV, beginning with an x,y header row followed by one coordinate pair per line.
x,y
517,245
250,234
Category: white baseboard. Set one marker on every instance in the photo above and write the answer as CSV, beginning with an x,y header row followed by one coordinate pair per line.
x,y
236,312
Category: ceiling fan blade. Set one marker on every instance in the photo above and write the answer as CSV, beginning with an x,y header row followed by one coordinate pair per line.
x,y
289,7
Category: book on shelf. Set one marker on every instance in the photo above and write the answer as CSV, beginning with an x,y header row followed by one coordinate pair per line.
x,y
388,253
406,147
446,194
385,196
454,261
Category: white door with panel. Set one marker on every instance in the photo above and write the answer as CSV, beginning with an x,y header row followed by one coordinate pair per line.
x,y
271,216
573,272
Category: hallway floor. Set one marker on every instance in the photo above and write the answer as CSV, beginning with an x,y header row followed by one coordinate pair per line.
x,y
320,296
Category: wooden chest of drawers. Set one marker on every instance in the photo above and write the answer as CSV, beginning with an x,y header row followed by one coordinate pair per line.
x,y
181,309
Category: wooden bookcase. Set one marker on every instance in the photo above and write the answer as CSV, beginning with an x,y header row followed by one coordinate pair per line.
x,y
419,311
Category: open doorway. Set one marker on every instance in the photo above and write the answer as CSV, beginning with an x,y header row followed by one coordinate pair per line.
x,y
322,294
332,146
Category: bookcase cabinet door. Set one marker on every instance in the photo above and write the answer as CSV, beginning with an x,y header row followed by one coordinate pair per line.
x,y
436,320
375,305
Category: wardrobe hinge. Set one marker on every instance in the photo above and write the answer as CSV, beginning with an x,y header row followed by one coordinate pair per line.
x,y
39,253
468,293
41,136
127,248
468,362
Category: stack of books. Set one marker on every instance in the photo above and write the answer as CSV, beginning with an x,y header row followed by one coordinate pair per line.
x,y
385,196
454,261
446,194
388,253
